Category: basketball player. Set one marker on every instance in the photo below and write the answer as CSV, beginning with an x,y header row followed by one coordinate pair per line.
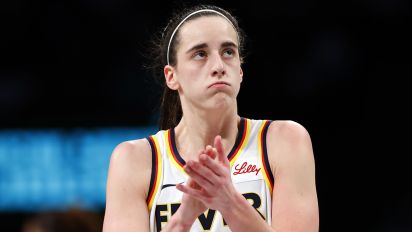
x,y
208,169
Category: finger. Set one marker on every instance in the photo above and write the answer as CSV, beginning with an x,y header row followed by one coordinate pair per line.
x,y
190,182
219,148
198,194
201,151
187,189
214,150
210,152
213,165
206,172
192,169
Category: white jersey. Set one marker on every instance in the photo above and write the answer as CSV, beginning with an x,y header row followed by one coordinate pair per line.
x,y
250,173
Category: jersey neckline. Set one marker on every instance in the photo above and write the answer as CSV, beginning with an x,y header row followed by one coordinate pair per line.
x,y
240,137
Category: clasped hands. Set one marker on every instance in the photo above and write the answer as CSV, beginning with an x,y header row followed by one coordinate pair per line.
x,y
209,179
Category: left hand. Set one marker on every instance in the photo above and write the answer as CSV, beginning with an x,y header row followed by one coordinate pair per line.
x,y
213,175
191,207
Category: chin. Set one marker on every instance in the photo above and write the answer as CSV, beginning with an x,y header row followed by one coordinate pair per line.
x,y
222,101
218,101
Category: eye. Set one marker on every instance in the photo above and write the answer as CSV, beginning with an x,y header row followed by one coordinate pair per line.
x,y
199,55
229,52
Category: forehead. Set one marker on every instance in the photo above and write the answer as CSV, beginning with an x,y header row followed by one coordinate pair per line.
x,y
207,29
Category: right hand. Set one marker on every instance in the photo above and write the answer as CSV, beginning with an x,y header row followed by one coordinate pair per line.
x,y
191,207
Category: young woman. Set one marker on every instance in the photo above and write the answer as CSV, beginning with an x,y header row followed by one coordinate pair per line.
x,y
208,168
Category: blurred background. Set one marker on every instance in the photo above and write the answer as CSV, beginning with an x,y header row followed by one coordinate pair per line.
x,y
73,85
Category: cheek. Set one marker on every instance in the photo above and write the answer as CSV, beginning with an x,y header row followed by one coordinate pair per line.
x,y
194,74
237,88
188,80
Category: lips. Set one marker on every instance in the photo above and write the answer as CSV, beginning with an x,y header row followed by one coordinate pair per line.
x,y
219,83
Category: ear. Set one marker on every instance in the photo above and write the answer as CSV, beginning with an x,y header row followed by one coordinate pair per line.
x,y
241,74
170,77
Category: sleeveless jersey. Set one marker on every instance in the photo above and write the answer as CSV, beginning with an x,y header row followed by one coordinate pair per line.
x,y
250,173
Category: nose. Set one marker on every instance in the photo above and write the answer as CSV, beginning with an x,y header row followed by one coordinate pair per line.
x,y
218,66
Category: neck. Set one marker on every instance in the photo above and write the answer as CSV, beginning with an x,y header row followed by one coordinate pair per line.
x,y
199,128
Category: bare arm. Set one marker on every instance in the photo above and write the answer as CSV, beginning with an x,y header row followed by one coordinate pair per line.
x,y
127,188
294,200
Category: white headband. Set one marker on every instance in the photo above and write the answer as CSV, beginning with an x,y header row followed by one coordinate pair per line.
x,y
177,28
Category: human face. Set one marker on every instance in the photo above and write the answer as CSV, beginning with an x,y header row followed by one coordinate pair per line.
x,y
208,72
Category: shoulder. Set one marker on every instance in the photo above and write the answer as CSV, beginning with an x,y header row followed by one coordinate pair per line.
x,y
288,142
287,131
130,164
131,152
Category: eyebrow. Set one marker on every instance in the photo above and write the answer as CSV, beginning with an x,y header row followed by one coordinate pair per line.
x,y
204,45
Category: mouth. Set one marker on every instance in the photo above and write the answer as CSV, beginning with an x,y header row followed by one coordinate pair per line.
x,y
219,84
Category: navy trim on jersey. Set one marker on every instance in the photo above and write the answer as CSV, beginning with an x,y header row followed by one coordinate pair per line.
x,y
242,126
170,185
241,132
154,167
265,152
174,147
167,185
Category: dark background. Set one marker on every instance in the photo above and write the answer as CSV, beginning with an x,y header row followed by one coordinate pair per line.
x,y
329,65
